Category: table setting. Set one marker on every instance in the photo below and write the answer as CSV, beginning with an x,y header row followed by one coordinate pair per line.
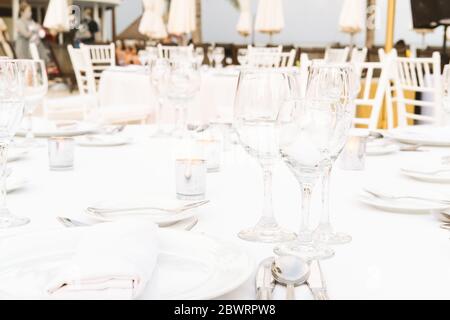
x,y
119,212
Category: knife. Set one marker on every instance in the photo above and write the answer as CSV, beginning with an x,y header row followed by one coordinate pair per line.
x,y
265,283
316,282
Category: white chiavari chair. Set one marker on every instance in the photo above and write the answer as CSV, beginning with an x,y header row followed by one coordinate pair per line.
x,y
287,59
264,57
358,55
101,57
416,76
76,106
171,52
372,73
336,55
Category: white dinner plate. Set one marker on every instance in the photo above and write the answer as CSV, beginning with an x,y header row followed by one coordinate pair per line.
x,y
15,154
161,218
416,173
103,140
190,266
381,147
422,134
45,129
401,205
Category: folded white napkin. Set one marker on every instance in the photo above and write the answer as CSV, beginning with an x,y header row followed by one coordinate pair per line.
x,y
106,261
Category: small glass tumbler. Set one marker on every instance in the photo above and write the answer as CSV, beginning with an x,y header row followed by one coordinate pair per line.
x,y
212,153
190,179
353,156
61,152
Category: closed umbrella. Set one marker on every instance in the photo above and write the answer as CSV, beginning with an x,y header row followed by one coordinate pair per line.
x,y
244,26
269,17
152,22
351,20
57,16
181,17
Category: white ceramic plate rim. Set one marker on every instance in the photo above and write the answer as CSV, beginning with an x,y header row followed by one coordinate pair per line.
x,y
117,141
239,274
424,176
402,136
387,206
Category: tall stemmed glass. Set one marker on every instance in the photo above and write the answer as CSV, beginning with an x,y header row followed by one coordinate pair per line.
x,y
184,83
160,75
310,129
446,89
259,97
12,106
325,232
218,56
199,55
35,78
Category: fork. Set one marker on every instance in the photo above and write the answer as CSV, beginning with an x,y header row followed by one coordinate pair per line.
x,y
176,210
389,197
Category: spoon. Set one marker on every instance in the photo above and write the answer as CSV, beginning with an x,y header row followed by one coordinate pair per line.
x,y
290,271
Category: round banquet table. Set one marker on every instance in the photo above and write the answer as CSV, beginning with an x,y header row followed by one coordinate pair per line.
x,y
392,256
130,86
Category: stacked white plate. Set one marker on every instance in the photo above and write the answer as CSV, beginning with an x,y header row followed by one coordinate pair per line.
x,y
103,140
44,129
422,135
190,267
379,147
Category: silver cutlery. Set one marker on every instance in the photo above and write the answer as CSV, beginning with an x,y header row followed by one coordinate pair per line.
x,y
316,282
445,215
412,148
187,225
431,172
290,271
137,209
383,196
71,223
264,281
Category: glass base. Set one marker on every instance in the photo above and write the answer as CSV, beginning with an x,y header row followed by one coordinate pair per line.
x,y
7,220
267,232
308,252
325,234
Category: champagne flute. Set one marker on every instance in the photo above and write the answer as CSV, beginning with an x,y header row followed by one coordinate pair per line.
x,y
259,97
12,107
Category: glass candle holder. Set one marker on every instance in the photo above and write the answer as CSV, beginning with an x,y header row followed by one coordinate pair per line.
x,y
190,179
61,152
353,156
212,153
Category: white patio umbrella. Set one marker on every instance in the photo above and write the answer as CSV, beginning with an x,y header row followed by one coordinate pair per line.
x,y
152,22
181,17
57,16
245,23
351,20
269,17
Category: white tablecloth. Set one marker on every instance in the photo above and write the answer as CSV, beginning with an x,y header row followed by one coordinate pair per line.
x,y
130,86
391,256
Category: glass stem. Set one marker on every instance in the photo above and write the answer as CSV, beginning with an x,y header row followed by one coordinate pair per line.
x,y
30,134
267,205
158,114
307,189
325,217
3,161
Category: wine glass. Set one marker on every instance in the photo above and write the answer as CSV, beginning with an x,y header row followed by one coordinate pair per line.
x,y
242,56
446,89
160,75
12,107
184,83
259,97
199,55
218,56
209,53
35,88
333,83
312,129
